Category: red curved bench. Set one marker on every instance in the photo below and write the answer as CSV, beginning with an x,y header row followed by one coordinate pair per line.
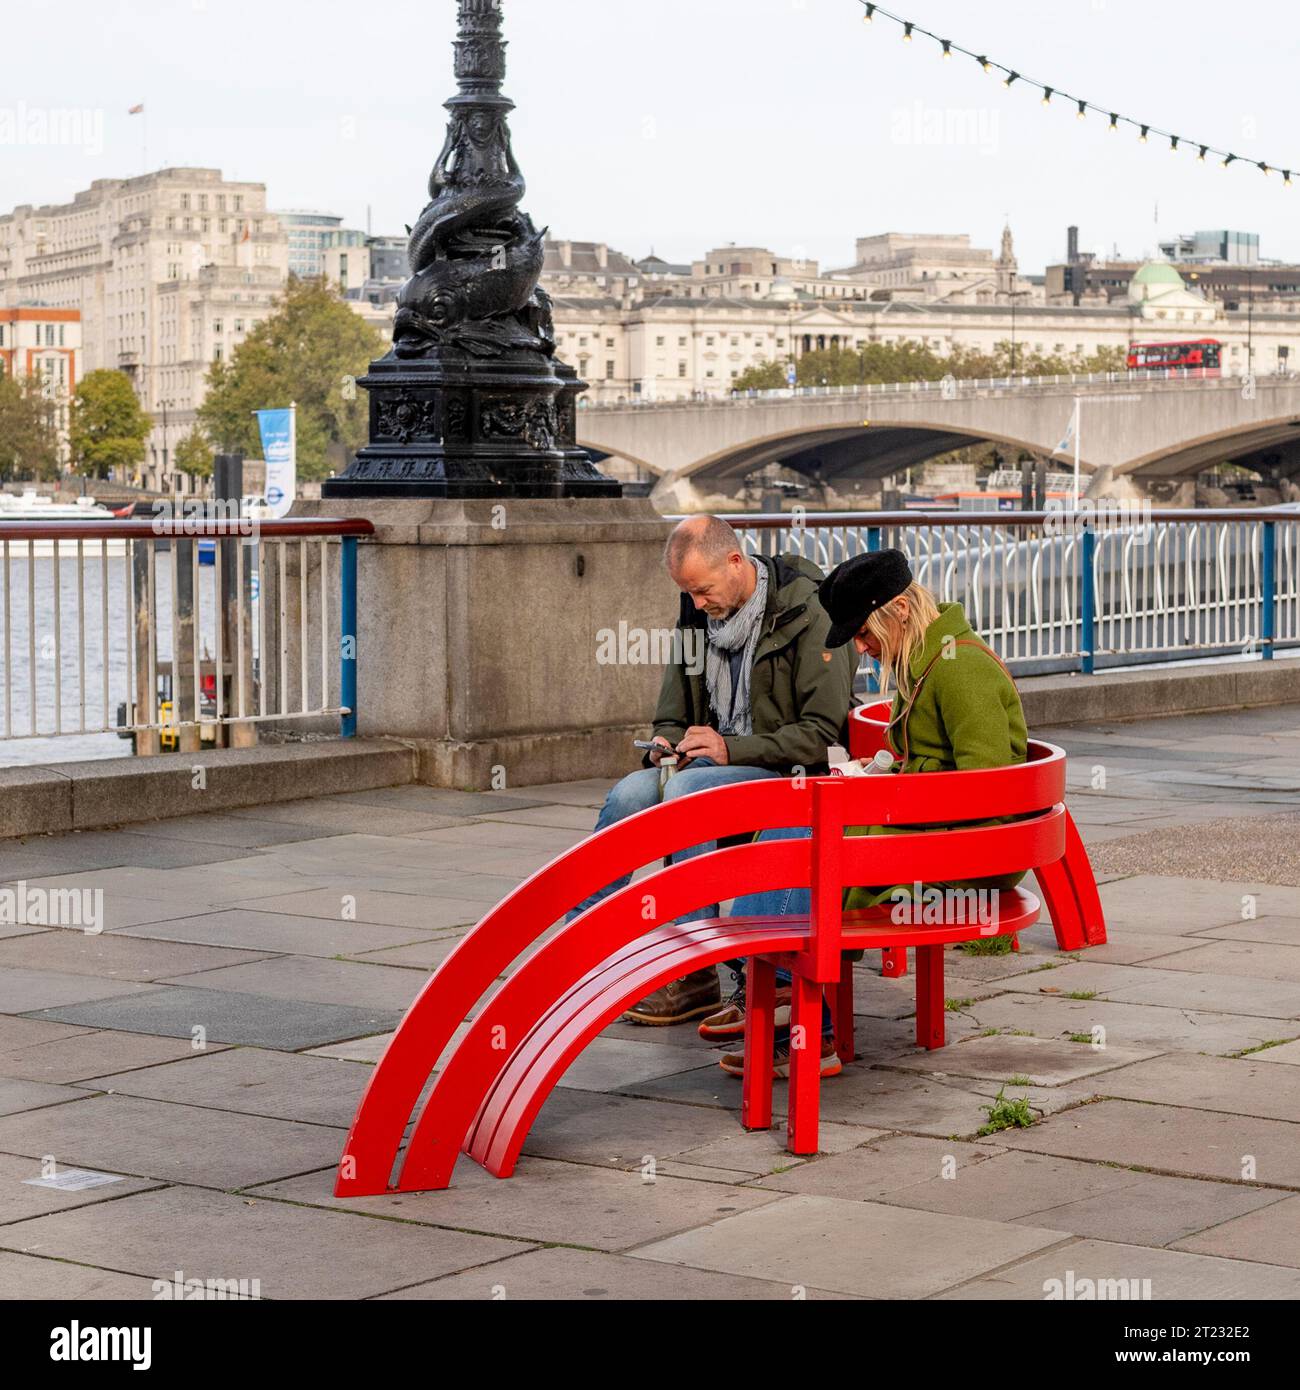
x,y
532,1025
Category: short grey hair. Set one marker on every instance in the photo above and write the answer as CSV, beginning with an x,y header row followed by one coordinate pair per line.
x,y
709,537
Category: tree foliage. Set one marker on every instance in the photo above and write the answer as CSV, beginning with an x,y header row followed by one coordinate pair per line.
x,y
907,360
29,442
309,352
194,455
107,427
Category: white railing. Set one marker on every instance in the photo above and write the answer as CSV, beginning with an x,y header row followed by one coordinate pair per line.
x,y
951,387
1154,585
174,634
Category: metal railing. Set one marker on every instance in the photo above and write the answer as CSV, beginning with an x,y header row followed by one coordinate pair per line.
x,y
1060,590
173,632
952,386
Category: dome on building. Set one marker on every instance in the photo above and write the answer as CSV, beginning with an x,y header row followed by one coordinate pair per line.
x,y
1153,279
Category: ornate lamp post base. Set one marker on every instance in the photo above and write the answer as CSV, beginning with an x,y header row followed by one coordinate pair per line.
x,y
471,401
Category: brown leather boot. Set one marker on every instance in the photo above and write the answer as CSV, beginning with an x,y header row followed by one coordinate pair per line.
x,y
680,1000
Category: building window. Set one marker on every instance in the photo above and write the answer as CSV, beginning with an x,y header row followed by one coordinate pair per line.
x,y
203,202
49,335
659,342
239,325
185,202
216,325
60,335
609,342
708,342
239,204
221,202
609,370
681,342
681,369
171,224
216,353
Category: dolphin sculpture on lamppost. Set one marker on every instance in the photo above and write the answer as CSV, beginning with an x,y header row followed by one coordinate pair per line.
x,y
471,401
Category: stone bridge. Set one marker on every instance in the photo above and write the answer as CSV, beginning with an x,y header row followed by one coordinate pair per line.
x,y
1136,429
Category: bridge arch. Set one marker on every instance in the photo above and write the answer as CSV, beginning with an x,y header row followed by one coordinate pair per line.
x,y
1189,456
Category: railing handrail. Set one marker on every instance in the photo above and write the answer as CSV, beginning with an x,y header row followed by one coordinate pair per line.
x,y
1101,511
138,528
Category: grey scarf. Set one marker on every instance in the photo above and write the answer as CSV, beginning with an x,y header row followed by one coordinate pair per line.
x,y
740,632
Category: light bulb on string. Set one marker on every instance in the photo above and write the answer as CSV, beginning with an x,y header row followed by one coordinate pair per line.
x,y
1047,96
907,31
1143,135
1230,158
947,47
1286,178
1205,149
983,62
1083,110
1114,124
1009,78
1173,144
866,18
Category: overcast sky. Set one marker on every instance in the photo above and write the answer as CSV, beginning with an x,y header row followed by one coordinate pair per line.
x,y
685,124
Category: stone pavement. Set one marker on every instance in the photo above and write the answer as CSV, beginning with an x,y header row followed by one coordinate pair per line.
x,y
208,1048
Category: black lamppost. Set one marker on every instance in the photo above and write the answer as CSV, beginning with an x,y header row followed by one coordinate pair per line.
x,y
471,401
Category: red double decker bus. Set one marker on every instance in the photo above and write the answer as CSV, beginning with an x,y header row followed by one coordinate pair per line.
x,y
1197,357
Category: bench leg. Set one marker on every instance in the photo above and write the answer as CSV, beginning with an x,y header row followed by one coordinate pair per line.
x,y
805,1065
929,997
893,962
843,1012
760,1007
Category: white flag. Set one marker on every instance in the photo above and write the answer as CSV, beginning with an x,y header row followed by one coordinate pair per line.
x,y
1065,443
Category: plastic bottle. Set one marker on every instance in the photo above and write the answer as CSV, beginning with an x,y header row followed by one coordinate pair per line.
x,y
879,765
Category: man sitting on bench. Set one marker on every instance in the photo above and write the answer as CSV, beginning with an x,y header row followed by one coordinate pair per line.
x,y
767,701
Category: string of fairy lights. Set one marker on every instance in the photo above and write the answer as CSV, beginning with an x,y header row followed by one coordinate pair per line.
x,y
1052,95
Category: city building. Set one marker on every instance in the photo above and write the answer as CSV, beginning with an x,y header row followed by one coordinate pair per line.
x,y
388,258
587,268
667,346
38,341
168,271
1224,265
308,232
929,268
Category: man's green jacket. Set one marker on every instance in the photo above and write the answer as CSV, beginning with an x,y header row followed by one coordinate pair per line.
x,y
799,692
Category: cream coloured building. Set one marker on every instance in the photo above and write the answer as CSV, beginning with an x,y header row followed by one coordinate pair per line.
x,y
169,270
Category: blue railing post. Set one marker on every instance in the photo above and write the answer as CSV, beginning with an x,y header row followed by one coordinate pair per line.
x,y
873,671
348,635
1087,601
1268,594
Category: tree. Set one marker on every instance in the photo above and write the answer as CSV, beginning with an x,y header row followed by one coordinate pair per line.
x,y
309,352
194,455
29,442
107,428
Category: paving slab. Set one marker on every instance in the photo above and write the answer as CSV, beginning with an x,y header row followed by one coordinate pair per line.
x,y
251,1081
608,1063
759,1152
426,914
1155,903
313,980
590,1275
18,1032
862,1248
327,814
1169,1139
619,1131
111,957
1273,928
20,1199
26,991
1130,1025
1173,1275
87,1054
1230,1085
496,835
1286,1053
1188,989
18,1096
1270,1235
28,1277
1254,960
294,1252
424,956
446,802
273,932
589,793
174,1143
251,1020
886,1164
1136,947
546,1201
356,1050
1044,1061
239,832
562,817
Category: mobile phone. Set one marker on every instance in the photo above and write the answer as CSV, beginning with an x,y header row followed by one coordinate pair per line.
x,y
641,743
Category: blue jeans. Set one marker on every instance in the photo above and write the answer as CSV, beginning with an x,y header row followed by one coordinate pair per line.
x,y
638,791
779,902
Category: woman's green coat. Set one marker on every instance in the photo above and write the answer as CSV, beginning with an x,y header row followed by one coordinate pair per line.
x,y
967,715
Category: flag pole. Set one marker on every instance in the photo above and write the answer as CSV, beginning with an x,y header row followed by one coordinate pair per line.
x,y
1078,430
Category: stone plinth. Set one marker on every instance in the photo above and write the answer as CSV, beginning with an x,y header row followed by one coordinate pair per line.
x,y
481,627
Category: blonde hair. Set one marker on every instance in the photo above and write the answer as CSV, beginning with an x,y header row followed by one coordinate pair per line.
x,y
900,639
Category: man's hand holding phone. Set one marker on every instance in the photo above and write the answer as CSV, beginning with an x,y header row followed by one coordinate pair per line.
x,y
657,747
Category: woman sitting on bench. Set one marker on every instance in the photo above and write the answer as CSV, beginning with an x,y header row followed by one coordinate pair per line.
x,y
955,707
